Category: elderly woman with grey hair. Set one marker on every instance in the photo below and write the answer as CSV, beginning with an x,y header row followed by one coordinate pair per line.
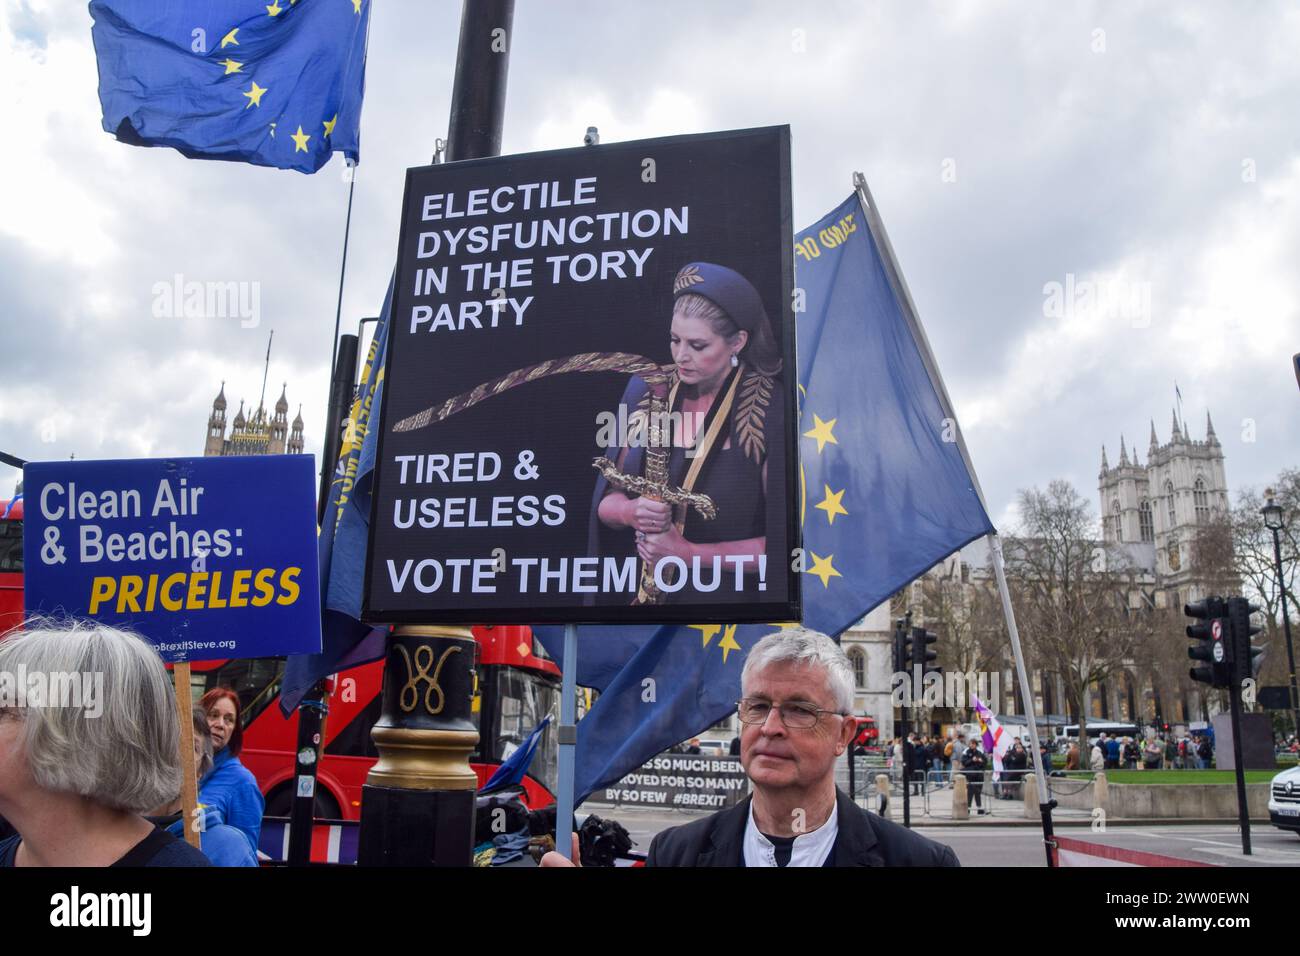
x,y
78,770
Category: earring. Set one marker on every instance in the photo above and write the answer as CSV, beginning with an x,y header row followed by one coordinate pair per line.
x,y
735,361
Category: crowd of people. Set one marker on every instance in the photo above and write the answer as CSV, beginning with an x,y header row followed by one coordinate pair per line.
x,y
86,788
938,761
1170,752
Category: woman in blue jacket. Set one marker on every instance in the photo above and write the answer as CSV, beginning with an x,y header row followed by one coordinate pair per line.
x,y
229,787
222,844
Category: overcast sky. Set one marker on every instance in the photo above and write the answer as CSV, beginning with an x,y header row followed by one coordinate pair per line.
x,y
1152,150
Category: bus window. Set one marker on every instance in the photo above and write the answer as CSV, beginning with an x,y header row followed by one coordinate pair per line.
x,y
11,547
353,738
522,699
257,682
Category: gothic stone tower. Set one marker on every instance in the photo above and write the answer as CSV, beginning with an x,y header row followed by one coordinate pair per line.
x,y
1181,485
216,425
255,434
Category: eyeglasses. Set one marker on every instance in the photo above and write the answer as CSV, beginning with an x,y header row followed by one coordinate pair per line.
x,y
796,715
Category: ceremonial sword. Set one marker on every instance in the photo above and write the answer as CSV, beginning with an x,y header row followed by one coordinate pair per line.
x,y
653,484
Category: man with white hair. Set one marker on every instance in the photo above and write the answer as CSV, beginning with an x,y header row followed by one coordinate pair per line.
x,y
796,711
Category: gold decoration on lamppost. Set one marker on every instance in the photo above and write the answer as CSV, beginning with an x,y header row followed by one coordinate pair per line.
x,y
412,757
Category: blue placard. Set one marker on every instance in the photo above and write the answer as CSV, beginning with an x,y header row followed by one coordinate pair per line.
x,y
208,558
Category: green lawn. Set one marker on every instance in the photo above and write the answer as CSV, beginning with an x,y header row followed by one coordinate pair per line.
x,y
1186,776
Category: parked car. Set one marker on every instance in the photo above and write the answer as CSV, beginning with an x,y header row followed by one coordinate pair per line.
x,y
1284,800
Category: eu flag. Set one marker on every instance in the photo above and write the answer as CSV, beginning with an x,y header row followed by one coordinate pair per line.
x,y
345,641
276,84
885,494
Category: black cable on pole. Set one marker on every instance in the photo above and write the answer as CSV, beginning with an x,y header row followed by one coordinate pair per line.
x,y
343,268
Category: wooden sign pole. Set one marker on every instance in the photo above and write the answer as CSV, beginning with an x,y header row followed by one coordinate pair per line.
x,y
189,785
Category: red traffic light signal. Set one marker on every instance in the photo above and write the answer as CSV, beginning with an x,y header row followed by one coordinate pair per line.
x,y
1212,643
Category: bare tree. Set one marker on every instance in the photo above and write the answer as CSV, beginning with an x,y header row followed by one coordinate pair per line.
x,y
1214,555
1072,593
956,610
1255,562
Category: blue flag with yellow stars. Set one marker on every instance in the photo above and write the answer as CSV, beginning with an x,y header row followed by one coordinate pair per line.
x,y
345,641
275,84
885,494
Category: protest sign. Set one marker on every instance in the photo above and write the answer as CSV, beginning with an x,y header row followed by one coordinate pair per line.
x,y
207,558
589,398
681,780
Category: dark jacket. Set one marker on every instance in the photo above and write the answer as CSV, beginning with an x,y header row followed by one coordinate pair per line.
x,y
159,848
972,765
1016,763
864,839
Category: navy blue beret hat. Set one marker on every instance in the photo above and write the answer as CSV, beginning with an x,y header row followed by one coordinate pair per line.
x,y
725,288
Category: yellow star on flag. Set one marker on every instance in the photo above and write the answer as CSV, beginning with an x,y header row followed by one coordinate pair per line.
x,y
356,6
831,504
231,66
822,431
329,125
707,631
275,9
229,39
823,568
272,131
254,95
300,141
728,643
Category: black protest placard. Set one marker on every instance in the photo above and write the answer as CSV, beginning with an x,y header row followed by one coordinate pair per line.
x,y
681,780
589,397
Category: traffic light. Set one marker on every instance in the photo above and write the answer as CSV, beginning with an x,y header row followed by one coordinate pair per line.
x,y
1214,644
1245,655
918,651
900,646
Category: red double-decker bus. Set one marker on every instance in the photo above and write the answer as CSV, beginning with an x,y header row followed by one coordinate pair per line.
x,y
517,687
11,564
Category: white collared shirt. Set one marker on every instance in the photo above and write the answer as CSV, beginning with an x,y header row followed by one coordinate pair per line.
x,y
810,849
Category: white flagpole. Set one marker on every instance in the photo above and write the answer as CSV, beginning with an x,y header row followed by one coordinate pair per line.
x,y
568,749
877,227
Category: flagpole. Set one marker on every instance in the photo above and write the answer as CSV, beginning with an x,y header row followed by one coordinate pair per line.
x,y
877,227
568,736
333,421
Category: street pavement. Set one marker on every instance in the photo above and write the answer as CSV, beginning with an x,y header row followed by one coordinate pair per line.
x,y
991,842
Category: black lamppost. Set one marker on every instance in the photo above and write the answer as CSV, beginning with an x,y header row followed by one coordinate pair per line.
x,y
1272,513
